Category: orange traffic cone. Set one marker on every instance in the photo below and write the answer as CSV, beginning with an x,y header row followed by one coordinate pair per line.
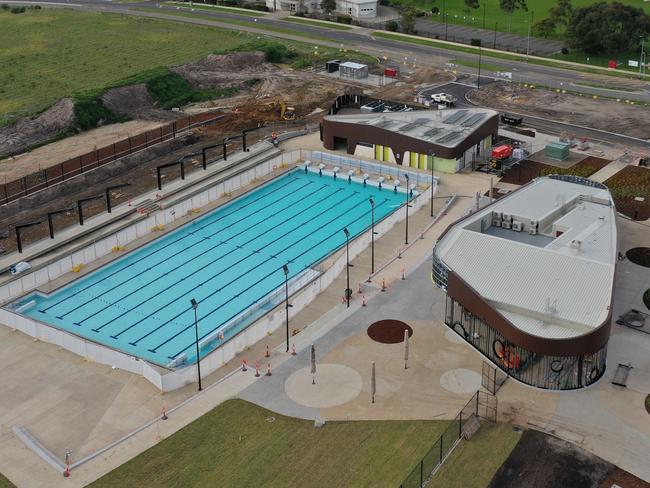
x,y
243,365
164,414
257,369
268,369
267,354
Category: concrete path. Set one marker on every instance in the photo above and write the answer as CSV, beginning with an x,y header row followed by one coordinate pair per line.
x,y
608,171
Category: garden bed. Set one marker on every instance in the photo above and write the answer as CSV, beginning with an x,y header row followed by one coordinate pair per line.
x,y
527,170
626,185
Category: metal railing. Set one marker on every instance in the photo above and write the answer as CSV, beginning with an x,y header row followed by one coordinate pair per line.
x,y
482,405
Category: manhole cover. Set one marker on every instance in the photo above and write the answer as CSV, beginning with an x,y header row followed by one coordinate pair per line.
x,y
388,331
639,255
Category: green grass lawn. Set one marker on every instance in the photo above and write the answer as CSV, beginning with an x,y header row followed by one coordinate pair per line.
x,y
48,54
318,23
5,483
457,12
470,63
473,463
239,444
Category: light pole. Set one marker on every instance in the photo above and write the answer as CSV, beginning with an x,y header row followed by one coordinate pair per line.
x,y
372,235
285,268
407,207
530,28
478,80
444,14
348,292
433,160
642,58
494,44
195,306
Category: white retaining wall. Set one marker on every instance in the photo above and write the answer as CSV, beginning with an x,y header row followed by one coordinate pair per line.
x,y
167,380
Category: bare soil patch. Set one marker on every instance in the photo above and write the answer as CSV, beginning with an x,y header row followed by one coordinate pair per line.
x,y
135,101
626,186
600,114
18,137
389,331
70,147
540,460
526,170
225,70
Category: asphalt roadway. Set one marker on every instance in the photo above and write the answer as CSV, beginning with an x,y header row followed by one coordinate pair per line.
x,y
406,55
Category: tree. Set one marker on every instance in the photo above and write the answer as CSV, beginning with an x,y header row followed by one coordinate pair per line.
x,y
561,13
544,28
407,20
392,26
509,6
328,6
472,4
607,28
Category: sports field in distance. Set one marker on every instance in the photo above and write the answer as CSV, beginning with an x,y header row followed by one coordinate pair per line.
x,y
457,12
240,444
49,54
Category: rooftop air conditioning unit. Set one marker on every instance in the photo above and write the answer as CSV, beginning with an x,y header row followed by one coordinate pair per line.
x,y
496,215
516,225
532,231
507,217
505,224
496,223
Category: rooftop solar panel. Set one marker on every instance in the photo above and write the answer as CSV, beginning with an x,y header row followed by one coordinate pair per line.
x,y
455,117
473,120
432,132
447,138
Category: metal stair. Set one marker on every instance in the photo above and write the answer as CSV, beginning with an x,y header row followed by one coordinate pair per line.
x,y
148,206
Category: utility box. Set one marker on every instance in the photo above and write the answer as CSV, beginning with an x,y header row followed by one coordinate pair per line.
x,y
355,71
390,72
332,66
557,150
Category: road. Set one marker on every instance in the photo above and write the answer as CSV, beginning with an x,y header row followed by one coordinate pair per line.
x,y
407,55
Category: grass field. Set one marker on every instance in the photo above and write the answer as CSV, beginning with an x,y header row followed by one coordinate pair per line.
x,y
215,8
469,63
473,463
49,54
239,444
5,483
457,12
318,23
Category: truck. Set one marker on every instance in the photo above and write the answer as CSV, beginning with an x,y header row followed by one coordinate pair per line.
x,y
444,98
511,119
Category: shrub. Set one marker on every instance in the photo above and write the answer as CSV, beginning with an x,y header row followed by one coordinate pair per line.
x,y
342,19
4,6
435,10
392,26
260,7
475,42
18,10
565,51
90,112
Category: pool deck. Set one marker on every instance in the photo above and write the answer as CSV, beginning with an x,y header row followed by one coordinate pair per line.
x,y
66,402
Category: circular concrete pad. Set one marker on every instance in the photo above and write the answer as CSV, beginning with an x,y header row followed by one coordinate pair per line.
x,y
335,385
460,381
451,336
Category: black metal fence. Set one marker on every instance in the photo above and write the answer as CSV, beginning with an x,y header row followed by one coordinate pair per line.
x,y
482,405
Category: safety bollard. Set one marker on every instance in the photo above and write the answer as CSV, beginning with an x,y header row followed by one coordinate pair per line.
x,y
363,302
268,369
403,274
257,369
164,413
243,365
293,349
267,354
383,284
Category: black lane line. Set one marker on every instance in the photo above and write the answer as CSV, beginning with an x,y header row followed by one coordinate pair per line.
x,y
226,285
204,238
166,246
217,259
154,350
253,253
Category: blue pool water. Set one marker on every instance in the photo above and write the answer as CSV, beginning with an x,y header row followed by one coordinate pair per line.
x,y
227,260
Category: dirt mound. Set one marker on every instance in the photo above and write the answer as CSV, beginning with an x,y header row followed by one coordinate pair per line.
x,y
28,132
223,70
134,101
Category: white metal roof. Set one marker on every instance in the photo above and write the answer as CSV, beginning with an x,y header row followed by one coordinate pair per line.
x,y
353,65
556,287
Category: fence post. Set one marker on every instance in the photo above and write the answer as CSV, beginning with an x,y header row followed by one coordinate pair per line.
x,y
421,472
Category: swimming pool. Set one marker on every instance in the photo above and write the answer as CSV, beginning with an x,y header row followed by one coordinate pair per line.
x,y
227,260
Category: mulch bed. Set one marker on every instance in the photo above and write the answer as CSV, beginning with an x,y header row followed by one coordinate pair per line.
x,y
528,170
389,331
639,255
621,478
631,182
540,460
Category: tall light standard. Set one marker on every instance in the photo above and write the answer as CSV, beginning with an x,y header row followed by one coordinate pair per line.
x,y
285,268
478,80
494,44
433,161
195,306
642,59
372,235
407,207
348,291
530,28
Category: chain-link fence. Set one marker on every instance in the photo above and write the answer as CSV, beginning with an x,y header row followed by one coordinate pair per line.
x,y
482,405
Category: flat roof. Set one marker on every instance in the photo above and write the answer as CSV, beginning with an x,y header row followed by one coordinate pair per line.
x,y
554,277
447,128
353,65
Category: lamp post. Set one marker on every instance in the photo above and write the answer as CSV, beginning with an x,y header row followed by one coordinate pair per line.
x,y
348,292
406,238
285,268
433,161
494,44
195,306
372,235
478,80
642,59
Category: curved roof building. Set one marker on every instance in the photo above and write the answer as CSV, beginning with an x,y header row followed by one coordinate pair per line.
x,y
529,280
